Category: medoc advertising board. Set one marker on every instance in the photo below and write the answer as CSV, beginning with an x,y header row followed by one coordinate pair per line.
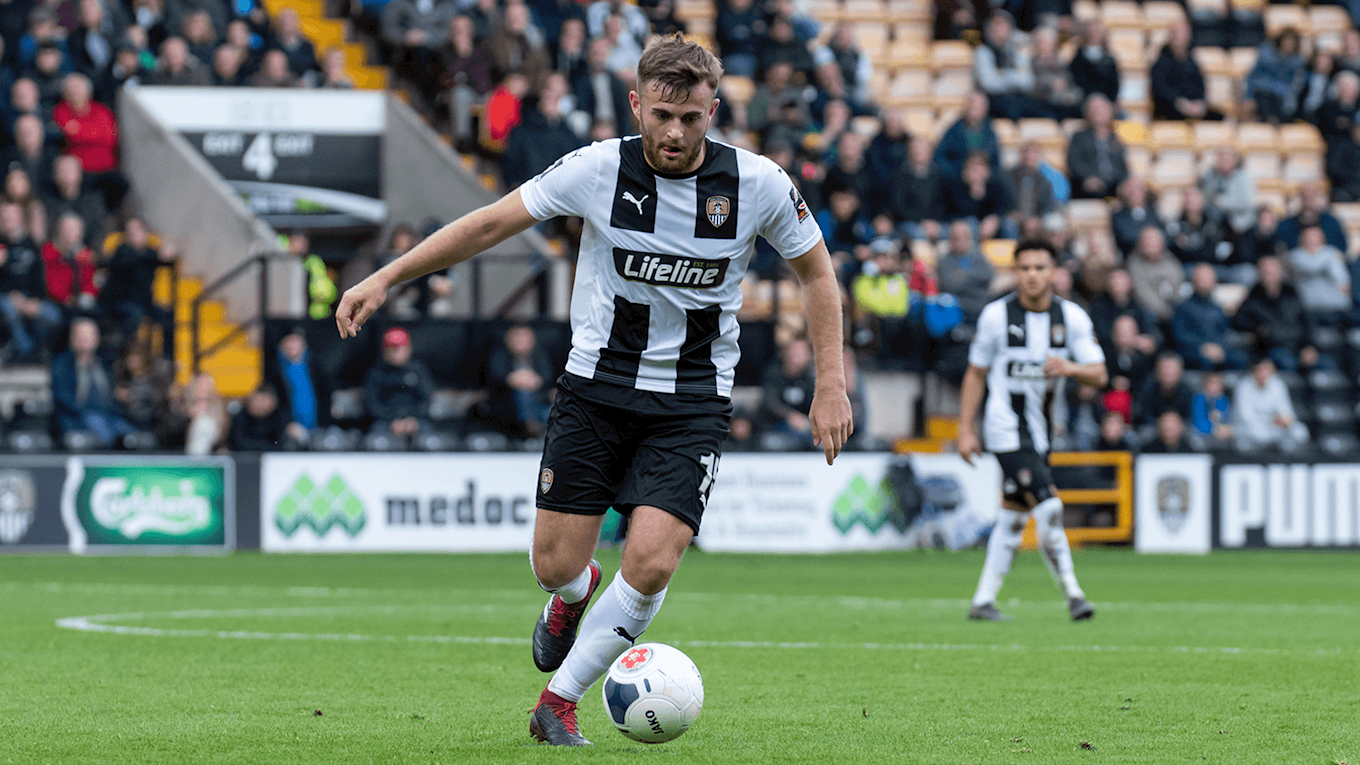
x,y
798,503
397,502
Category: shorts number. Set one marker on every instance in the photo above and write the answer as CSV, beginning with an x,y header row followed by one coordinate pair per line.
x,y
710,463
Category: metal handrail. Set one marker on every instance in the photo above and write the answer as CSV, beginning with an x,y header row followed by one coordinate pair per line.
x,y
262,260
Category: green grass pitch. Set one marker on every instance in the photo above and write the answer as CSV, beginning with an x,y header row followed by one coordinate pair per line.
x,y
1237,657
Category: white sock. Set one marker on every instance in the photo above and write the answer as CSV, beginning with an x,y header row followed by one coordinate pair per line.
x,y
574,591
1057,555
609,628
1000,553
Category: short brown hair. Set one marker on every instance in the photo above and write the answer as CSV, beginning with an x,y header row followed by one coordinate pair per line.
x,y
677,66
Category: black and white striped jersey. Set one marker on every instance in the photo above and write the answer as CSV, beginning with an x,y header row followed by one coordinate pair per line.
x,y
1014,344
662,258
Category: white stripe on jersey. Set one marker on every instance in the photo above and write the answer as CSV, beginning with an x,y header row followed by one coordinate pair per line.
x,y
1014,344
662,258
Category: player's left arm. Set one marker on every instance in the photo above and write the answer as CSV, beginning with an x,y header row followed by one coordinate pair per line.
x,y
1087,364
830,416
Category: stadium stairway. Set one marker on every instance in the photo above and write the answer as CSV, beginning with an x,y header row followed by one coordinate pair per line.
x,y
236,368
326,33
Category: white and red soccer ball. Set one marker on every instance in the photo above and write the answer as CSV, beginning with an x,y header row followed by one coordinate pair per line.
x,y
653,693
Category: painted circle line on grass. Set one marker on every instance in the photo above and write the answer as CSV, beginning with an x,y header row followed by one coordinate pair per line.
x,y
102,623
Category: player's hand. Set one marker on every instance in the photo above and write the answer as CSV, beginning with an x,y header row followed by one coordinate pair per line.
x,y
831,421
358,303
969,447
1055,367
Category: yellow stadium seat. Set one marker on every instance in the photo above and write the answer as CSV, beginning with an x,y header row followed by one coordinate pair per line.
x,y
1247,6
1282,17
1220,92
1007,134
1328,18
1139,160
1087,214
918,11
737,89
1129,48
1303,168
999,252
1262,165
1167,134
952,89
1085,10
1241,60
920,121
1160,14
1257,137
826,11
908,53
1212,61
1300,137
911,88
1044,132
1212,135
1131,133
1121,13
866,13
1172,169
951,54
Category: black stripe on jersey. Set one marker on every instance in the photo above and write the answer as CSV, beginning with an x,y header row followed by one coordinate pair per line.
x,y
635,191
627,340
1026,437
1016,324
717,184
1057,327
695,372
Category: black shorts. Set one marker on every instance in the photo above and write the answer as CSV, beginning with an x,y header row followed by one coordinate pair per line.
x,y
1025,477
608,446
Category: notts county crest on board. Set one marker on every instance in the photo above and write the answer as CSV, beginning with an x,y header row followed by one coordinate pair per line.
x,y
718,208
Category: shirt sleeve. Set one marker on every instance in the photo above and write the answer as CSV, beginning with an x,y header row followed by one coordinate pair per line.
x,y
1085,349
566,187
784,219
990,335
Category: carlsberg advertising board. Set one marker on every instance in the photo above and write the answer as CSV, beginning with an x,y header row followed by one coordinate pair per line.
x,y
118,504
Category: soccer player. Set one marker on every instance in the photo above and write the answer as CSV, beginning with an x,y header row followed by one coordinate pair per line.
x,y
643,409
1026,343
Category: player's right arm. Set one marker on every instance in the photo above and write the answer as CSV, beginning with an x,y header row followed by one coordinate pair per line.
x,y
970,397
477,231
990,339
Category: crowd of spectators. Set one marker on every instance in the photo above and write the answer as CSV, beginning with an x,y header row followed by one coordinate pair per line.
x,y
1215,309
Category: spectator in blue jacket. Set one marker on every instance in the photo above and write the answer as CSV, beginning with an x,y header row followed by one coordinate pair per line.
x,y
1276,80
1313,211
1201,328
82,389
972,132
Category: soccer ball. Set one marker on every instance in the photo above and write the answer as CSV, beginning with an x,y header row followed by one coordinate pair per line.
x,y
653,693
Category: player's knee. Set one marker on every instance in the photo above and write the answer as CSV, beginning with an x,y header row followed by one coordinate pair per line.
x,y
1048,517
648,576
552,568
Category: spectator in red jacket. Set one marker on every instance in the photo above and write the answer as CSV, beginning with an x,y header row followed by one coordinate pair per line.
x,y
92,135
70,266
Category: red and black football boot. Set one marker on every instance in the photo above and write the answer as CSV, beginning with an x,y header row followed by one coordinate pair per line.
x,y
554,721
555,631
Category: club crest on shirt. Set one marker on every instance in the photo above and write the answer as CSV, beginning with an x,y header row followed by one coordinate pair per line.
x,y
798,204
1058,335
545,480
718,209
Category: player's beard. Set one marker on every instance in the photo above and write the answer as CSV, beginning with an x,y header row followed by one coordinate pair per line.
x,y
682,162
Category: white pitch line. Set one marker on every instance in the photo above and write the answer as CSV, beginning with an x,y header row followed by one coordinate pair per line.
x,y
99,624
517,596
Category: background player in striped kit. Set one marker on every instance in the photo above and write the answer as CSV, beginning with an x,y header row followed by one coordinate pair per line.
x,y
1026,343
642,411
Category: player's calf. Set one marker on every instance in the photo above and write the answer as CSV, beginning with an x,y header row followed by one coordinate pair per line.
x,y
556,628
